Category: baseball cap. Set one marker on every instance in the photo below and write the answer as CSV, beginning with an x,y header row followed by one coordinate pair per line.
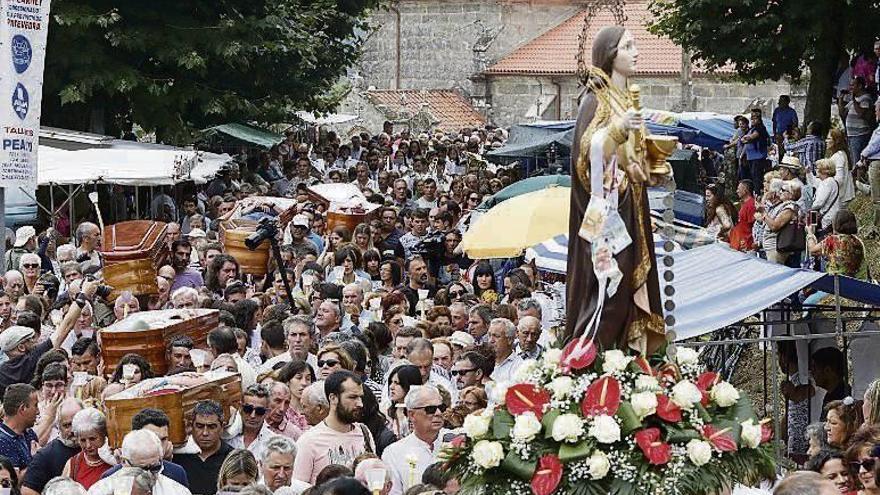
x,y
196,233
24,234
300,221
14,335
462,339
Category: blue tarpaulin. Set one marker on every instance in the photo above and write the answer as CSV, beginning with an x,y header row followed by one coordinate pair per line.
x,y
714,133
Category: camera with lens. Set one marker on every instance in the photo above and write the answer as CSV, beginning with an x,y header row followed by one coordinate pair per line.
x,y
266,229
430,246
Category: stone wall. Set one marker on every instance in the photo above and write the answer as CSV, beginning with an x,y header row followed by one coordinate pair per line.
x,y
445,42
511,97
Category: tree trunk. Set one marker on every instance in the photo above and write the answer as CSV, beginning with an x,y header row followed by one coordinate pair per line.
x,y
822,70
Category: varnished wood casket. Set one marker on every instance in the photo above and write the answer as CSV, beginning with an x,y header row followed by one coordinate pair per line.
x,y
177,395
351,216
240,223
148,333
345,205
133,252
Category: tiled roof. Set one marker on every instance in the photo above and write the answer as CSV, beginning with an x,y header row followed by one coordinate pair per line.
x,y
555,52
452,110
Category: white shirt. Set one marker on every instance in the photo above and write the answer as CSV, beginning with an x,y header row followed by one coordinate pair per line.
x,y
258,446
248,375
398,455
844,176
296,488
506,371
164,486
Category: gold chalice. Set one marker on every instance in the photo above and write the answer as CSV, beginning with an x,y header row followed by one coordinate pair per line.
x,y
658,150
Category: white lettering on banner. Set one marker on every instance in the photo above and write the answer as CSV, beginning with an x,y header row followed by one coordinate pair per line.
x,y
23,28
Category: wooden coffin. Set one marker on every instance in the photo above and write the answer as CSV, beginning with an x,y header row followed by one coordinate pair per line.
x,y
235,228
148,333
133,252
177,401
350,217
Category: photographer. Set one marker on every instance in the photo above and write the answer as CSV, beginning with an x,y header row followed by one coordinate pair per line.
x,y
419,224
440,252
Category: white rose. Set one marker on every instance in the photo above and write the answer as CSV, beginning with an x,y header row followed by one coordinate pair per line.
x,y
751,434
699,452
685,394
686,356
647,383
526,427
487,454
614,360
724,394
552,357
599,465
644,404
604,429
567,428
526,369
476,425
497,393
561,387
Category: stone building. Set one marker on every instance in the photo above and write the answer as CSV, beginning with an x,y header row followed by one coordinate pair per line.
x,y
515,61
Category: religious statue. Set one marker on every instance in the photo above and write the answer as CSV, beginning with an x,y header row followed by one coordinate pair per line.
x,y
613,294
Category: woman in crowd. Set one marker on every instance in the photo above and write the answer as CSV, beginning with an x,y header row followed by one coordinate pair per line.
x,y
838,152
719,212
390,275
338,237
372,262
363,237
239,470
439,315
90,429
400,379
139,370
843,418
484,280
862,464
827,202
842,251
298,375
375,421
347,269
871,404
832,465
332,358
783,211
473,398
8,476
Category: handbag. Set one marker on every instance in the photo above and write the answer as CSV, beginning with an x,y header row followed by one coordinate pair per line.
x,y
792,238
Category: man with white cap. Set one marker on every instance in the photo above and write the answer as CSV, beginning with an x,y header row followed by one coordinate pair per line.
x,y
297,234
789,170
20,343
25,242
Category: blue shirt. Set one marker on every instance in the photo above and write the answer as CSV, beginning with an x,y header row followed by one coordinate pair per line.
x,y
169,470
756,149
15,447
783,119
319,243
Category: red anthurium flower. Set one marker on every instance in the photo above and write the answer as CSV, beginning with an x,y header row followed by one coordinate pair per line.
x,y
766,431
644,365
458,441
602,397
527,397
720,438
667,375
657,451
667,410
547,475
578,354
704,382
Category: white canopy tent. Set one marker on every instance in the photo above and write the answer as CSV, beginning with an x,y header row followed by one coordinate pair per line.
x,y
131,165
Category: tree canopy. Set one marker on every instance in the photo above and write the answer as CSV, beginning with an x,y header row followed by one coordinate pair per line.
x,y
772,39
174,66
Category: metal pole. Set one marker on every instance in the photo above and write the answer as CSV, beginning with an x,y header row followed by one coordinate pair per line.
x,y
137,203
72,209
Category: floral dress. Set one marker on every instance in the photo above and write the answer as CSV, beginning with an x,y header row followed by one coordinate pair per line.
x,y
845,254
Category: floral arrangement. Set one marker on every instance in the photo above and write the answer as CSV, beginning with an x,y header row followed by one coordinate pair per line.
x,y
582,423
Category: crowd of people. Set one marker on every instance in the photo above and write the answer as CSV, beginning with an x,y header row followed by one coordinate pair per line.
x,y
388,337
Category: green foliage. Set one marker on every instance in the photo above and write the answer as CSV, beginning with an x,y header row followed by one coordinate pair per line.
x,y
502,423
174,67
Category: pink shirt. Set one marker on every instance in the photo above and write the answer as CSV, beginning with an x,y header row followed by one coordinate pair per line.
x,y
321,446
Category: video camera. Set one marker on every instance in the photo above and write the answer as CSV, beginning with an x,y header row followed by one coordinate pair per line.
x,y
266,229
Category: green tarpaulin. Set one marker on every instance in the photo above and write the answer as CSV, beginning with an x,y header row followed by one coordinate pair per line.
x,y
245,133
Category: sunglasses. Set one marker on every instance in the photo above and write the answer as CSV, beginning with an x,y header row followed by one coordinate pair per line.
x,y
30,265
330,363
473,199
462,372
456,293
249,409
431,410
154,469
868,464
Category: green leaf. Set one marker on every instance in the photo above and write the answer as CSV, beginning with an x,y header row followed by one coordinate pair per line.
x,y
629,421
514,465
679,435
576,452
502,423
547,422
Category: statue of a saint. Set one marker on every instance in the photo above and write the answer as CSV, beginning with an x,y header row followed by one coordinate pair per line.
x,y
613,292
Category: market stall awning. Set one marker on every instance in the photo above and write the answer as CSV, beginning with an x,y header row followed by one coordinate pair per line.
x,y
127,166
552,254
245,133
